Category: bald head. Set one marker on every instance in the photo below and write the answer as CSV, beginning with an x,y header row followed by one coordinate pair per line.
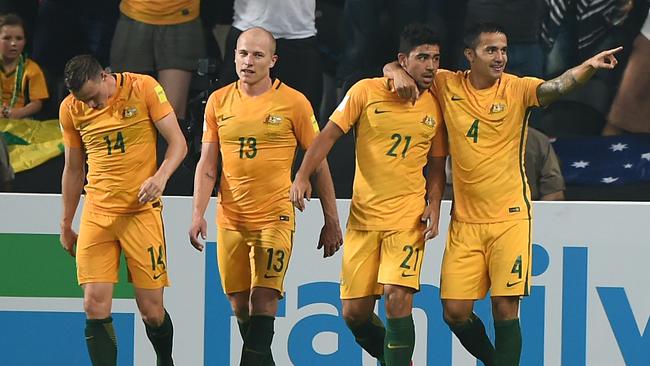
x,y
260,36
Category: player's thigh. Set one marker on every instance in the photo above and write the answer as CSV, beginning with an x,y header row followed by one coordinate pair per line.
x,y
233,258
402,253
271,252
179,46
98,252
509,258
132,46
360,268
464,273
142,239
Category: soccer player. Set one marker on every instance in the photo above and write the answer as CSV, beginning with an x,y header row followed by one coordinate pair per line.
x,y
110,122
489,241
253,127
391,200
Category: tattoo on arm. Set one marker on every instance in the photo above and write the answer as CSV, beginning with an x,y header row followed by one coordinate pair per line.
x,y
550,90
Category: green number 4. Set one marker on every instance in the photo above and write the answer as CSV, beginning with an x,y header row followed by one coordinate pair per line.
x,y
473,131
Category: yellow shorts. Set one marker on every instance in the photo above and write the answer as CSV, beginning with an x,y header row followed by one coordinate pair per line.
x,y
483,256
141,236
253,258
372,259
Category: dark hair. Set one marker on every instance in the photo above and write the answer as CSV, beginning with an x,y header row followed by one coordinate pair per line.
x,y
11,19
416,34
79,70
472,35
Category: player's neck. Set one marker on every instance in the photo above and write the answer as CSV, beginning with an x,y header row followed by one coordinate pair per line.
x,y
480,82
258,88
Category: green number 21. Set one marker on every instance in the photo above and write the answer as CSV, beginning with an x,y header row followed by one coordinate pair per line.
x,y
398,140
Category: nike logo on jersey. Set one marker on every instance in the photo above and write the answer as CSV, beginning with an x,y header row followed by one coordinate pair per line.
x,y
455,98
397,346
223,118
378,111
407,275
157,276
510,284
267,276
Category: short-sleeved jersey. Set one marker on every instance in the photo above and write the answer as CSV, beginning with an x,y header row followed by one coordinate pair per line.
x,y
33,86
161,12
487,138
393,141
257,138
119,141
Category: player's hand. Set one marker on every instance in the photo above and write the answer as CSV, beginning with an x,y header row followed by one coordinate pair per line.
x,y
199,227
405,85
300,190
605,59
151,189
431,217
68,240
330,239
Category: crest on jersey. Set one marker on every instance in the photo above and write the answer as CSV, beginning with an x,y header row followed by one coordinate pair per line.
x,y
497,107
273,120
429,121
129,112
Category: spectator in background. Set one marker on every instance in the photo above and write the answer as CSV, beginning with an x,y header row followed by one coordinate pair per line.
x,y
631,107
163,36
542,168
21,79
292,23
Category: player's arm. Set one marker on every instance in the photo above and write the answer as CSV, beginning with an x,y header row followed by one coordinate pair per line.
x,y
403,83
317,151
152,188
435,188
205,178
72,181
330,236
550,90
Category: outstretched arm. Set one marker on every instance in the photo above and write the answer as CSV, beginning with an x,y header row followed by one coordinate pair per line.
x,y
550,90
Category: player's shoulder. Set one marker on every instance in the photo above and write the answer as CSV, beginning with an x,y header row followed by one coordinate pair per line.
x,y
68,102
515,79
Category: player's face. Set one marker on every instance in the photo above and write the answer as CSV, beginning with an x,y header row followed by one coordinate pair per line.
x,y
490,56
12,41
422,63
254,58
94,92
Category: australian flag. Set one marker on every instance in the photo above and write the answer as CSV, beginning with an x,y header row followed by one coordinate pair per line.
x,y
605,160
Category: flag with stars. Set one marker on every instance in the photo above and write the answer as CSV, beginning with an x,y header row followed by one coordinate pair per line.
x,y
605,160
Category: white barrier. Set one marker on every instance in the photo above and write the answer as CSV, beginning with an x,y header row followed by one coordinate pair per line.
x,y
590,304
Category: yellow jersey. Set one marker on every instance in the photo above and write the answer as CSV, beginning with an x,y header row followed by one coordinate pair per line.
x,y
119,141
487,136
257,138
393,139
161,12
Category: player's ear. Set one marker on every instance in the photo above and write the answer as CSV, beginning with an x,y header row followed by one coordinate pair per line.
x,y
274,59
402,59
469,54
